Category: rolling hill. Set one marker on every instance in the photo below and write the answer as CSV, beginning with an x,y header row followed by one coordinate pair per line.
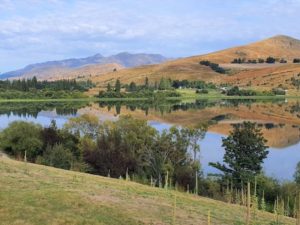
x,y
279,46
94,65
262,76
35,194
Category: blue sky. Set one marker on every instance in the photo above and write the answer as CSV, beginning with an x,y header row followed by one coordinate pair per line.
x,y
39,30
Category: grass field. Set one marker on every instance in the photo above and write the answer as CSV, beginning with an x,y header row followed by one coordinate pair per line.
x,y
185,94
34,194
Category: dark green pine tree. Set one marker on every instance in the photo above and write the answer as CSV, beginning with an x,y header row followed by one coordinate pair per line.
x,y
108,87
146,83
245,150
132,87
118,86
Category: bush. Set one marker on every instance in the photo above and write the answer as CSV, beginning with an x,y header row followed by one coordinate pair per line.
x,y
201,91
235,91
57,156
278,91
270,60
22,136
296,61
283,61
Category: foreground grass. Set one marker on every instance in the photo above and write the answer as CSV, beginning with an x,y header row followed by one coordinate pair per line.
x,y
34,194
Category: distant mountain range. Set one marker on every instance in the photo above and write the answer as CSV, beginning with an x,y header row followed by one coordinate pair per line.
x,y
69,67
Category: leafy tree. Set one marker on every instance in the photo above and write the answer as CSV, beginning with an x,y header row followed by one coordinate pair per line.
x,y
120,146
22,136
118,86
297,174
164,84
86,125
195,135
245,151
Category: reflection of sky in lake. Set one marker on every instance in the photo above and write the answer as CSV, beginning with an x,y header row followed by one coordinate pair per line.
x,y
280,163
44,118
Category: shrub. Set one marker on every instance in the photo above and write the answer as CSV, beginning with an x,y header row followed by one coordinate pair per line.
x,y
202,91
283,61
58,156
278,91
270,60
296,61
235,91
22,136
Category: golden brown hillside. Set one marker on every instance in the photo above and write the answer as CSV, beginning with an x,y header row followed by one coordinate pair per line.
x,y
263,76
172,69
266,78
278,46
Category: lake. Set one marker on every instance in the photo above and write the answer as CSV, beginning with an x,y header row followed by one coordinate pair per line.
x,y
279,121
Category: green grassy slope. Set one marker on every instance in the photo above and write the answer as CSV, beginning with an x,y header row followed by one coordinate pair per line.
x,y
34,194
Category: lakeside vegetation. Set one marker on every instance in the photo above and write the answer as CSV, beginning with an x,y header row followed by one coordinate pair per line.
x,y
166,89
180,89
132,150
34,89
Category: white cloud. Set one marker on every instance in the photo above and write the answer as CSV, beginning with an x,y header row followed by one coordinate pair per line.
x,y
77,28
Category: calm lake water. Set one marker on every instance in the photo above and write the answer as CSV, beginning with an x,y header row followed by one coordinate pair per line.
x,y
279,121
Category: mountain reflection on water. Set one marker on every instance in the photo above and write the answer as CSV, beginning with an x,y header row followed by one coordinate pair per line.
x,y
278,119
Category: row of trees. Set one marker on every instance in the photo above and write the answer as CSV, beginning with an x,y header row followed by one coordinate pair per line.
x,y
235,91
261,60
147,88
26,85
133,90
214,66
